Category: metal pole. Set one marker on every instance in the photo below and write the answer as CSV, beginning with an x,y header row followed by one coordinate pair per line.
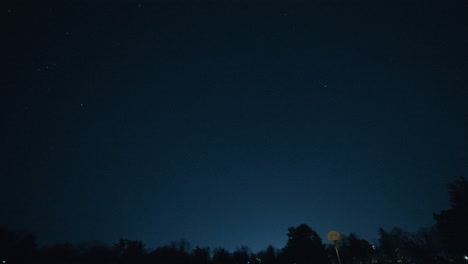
x,y
337,254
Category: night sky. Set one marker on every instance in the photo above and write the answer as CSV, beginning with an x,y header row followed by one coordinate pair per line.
x,y
226,122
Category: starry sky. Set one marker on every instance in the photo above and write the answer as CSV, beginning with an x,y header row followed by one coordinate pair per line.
x,y
226,122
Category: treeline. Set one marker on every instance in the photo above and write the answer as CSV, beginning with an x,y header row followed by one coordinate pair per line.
x,y
444,243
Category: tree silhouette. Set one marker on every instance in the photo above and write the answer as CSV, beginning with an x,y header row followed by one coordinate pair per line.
x,y
393,245
176,253
60,253
96,253
398,246
222,256
242,255
268,256
354,250
304,246
201,255
129,251
425,246
17,246
163,255
452,223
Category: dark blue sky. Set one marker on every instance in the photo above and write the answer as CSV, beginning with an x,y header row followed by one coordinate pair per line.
x,y
226,123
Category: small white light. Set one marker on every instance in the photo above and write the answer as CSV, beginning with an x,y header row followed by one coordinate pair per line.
x,y
465,257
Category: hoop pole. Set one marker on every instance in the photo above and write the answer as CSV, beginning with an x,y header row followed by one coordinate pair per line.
x,y
337,254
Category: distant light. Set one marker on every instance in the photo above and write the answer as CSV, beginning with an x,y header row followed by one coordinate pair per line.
x,y
465,257
4,261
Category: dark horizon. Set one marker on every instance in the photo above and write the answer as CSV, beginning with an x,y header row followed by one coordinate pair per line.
x,y
225,123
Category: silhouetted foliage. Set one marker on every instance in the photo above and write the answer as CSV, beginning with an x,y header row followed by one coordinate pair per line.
x,y
452,223
268,256
129,251
201,255
425,246
304,246
176,253
60,253
398,246
391,245
222,256
242,255
96,253
163,255
17,246
354,250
